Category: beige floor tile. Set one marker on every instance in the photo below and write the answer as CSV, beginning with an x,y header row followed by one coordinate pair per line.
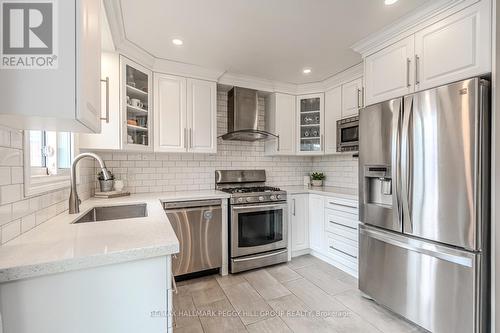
x,y
229,280
208,295
324,279
265,284
314,297
376,315
194,328
250,305
184,311
303,261
283,273
192,286
271,325
294,314
220,317
352,323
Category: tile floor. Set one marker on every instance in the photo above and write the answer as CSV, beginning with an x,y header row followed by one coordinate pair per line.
x,y
304,295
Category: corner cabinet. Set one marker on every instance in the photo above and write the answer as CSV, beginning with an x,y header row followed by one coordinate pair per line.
x,y
316,216
299,223
185,115
333,113
310,124
66,96
280,120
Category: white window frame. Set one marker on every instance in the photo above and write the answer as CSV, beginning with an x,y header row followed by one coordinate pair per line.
x,y
40,185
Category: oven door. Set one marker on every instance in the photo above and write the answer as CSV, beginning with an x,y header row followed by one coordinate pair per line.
x,y
258,228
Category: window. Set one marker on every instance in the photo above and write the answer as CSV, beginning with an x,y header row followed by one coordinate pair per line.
x,y
48,158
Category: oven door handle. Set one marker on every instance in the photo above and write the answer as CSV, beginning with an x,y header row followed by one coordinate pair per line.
x,y
260,256
259,206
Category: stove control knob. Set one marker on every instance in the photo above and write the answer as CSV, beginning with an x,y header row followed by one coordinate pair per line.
x,y
272,197
279,196
240,199
249,199
261,198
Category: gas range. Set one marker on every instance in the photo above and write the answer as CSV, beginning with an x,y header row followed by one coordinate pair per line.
x,y
254,194
258,219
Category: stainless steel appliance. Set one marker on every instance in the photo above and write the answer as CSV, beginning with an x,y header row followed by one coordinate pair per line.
x,y
243,116
424,202
258,219
198,226
348,134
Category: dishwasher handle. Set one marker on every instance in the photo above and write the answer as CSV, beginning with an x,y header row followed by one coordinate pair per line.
x,y
191,204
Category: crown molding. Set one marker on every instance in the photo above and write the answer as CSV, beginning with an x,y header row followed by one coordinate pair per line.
x,y
407,25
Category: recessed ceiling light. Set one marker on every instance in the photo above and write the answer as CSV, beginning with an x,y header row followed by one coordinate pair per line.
x,y
177,41
306,71
390,2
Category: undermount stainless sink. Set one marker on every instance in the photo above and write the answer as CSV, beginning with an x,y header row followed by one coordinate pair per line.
x,y
97,214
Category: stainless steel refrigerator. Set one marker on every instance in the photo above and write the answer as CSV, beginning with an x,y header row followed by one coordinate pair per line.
x,y
424,174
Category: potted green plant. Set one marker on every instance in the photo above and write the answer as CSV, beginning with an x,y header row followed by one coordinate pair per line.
x,y
317,178
106,185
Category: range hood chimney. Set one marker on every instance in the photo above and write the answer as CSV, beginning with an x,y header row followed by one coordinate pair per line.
x,y
243,116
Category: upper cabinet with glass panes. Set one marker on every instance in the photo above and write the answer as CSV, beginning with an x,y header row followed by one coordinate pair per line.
x,y
310,121
136,106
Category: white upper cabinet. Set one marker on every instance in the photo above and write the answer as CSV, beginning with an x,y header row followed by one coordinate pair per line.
x,y
310,124
333,113
170,130
185,115
110,136
388,73
202,116
64,96
280,120
455,48
352,98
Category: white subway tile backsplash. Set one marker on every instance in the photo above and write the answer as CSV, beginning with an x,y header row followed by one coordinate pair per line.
x,y
10,193
11,231
5,176
28,223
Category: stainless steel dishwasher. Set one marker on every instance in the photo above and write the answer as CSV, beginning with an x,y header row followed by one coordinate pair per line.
x,y
198,226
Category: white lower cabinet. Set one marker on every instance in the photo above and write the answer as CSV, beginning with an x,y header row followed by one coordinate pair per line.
x,y
316,230
127,297
299,222
327,227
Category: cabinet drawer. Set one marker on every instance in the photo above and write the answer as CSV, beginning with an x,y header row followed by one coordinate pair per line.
x,y
343,247
342,205
341,227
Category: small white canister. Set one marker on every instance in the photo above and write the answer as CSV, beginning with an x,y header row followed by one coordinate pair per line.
x,y
307,181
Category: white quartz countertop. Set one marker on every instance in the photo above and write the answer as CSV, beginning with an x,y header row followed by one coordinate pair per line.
x,y
340,192
58,245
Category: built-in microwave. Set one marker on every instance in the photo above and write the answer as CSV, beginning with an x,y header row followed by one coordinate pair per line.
x,y
348,134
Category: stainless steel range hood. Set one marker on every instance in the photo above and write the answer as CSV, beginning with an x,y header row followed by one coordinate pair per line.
x,y
243,116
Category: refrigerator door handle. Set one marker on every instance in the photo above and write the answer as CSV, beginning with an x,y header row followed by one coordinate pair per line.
x,y
455,256
396,161
406,168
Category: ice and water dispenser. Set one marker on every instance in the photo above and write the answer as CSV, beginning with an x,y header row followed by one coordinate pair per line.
x,y
378,185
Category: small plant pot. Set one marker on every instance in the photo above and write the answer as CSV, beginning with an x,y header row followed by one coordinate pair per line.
x,y
316,182
106,185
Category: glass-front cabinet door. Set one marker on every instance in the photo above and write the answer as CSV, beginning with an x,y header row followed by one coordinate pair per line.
x,y
136,106
310,113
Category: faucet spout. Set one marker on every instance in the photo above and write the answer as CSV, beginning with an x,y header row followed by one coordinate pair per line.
x,y
74,201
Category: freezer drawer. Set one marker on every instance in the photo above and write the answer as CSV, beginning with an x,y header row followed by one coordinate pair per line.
x,y
433,286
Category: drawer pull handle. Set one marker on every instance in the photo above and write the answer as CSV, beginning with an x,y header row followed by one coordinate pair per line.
x,y
343,225
339,204
343,252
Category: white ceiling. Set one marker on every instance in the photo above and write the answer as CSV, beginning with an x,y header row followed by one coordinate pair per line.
x,y
271,39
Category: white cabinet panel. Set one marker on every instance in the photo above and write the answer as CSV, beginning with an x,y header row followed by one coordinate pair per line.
x,y
388,72
202,116
316,218
170,131
352,98
333,112
65,98
455,48
280,120
299,221
110,136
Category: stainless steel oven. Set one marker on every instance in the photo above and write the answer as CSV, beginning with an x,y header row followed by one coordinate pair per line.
x,y
258,228
348,134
